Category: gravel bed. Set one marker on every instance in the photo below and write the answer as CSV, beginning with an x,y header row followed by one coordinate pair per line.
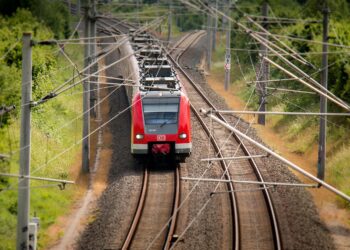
x,y
112,217
300,224
299,221
209,228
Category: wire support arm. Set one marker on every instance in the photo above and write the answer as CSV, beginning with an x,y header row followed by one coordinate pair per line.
x,y
324,92
279,157
63,182
292,53
268,183
277,113
269,45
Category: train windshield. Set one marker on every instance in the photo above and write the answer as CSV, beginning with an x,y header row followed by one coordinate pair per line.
x,y
161,114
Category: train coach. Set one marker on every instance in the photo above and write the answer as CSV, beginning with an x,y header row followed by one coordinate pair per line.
x,y
161,122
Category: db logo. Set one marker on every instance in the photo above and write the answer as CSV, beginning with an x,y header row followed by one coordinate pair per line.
x,y
161,137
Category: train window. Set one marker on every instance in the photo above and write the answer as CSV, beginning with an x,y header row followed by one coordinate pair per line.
x,y
161,115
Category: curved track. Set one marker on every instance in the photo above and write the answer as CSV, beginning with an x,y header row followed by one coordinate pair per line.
x,y
256,223
254,220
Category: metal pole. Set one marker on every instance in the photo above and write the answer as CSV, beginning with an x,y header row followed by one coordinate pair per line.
x,y
23,185
170,20
321,163
215,27
137,12
208,41
78,8
269,151
228,48
263,73
86,95
92,52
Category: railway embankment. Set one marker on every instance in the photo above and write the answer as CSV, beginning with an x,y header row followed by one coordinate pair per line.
x,y
295,139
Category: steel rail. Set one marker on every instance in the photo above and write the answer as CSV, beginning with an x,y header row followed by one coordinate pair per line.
x,y
141,204
193,40
177,44
266,193
138,212
273,217
175,211
232,196
233,199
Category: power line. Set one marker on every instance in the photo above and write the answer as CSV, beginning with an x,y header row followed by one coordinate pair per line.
x,y
307,40
283,18
58,89
9,50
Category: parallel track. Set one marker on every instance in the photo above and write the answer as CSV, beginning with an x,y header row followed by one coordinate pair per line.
x,y
254,207
254,217
159,196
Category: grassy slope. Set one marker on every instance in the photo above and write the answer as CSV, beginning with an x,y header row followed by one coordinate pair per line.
x,y
300,133
46,203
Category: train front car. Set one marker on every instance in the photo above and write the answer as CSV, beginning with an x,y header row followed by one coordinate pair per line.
x,y
161,121
161,125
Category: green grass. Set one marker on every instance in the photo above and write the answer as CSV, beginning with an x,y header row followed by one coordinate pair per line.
x,y
300,133
338,172
47,141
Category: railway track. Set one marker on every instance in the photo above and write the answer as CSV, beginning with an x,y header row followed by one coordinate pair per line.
x,y
159,195
255,221
159,200
253,217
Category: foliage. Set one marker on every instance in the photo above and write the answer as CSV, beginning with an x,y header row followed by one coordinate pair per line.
x,y
53,14
300,133
190,21
47,139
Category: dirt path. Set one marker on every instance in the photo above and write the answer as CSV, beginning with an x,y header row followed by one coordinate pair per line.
x,y
337,219
69,226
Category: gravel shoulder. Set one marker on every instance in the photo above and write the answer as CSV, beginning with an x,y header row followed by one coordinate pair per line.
x,y
300,224
299,221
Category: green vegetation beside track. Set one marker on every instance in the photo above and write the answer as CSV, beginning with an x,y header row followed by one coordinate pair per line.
x,y
54,129
300,133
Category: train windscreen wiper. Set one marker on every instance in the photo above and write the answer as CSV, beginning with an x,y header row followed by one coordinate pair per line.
x,y
165,122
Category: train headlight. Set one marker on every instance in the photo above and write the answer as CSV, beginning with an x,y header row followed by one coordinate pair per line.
x,y
139,136
183,136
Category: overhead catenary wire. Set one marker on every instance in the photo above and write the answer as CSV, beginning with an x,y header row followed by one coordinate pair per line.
x,y
269,151
267,43
292,53
78,142
328,96
307,40
200,211
105,98
269,183
197,183
278,113
282,18
9,49
318,86
20,149
57,89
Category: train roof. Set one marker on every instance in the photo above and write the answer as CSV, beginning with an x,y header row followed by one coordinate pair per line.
x,y
164,84
157,93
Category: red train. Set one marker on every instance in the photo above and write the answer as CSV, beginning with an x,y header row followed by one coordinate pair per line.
x,y
161,119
